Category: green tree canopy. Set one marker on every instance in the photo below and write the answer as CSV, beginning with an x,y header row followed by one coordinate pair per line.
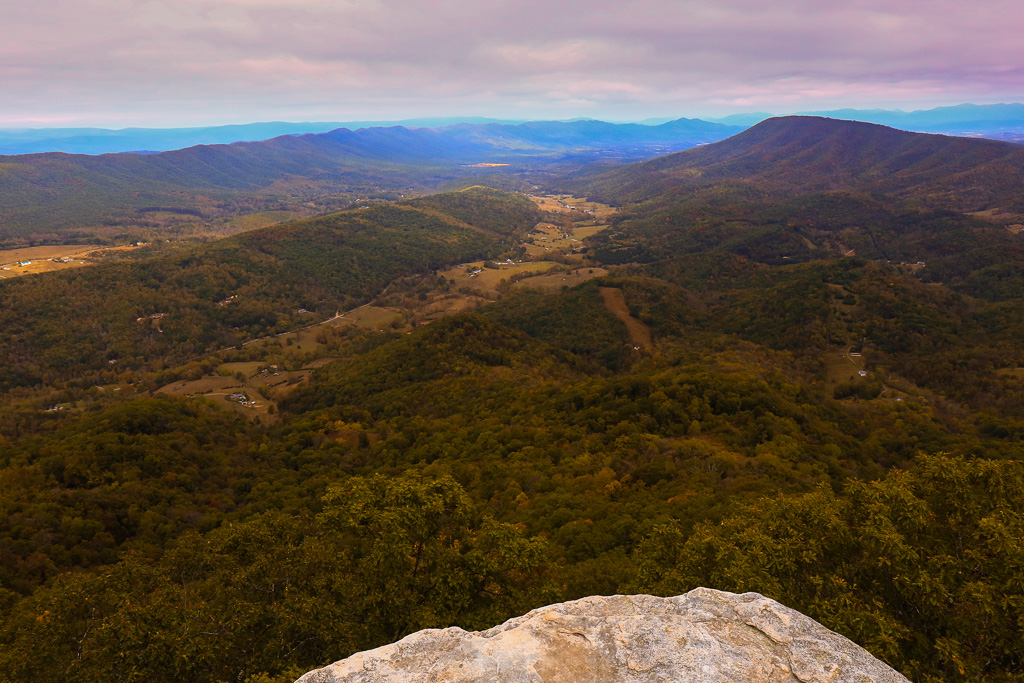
x,y
925,569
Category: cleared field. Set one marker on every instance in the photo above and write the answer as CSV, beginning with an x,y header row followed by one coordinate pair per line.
x,y
466,274
548,238
553,236
841,367
306,340
258,410
999,216
567,203
371,317
52,251
73,256
615,301
39,259
36,267
275,378
258,379
548,203
319,363
301,340
450,305
556,281
204,385
584,231
248,368
263,219
537,250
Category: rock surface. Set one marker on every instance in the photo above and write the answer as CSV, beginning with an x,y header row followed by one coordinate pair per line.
x,y
700,637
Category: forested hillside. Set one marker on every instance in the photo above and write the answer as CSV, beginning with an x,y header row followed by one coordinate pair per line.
x,y
152,314
799,154
53,197
811,394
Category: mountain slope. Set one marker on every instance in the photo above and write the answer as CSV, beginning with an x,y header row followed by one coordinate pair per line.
x,y
158,525
970,119
810,154
993,121
74,324
46,194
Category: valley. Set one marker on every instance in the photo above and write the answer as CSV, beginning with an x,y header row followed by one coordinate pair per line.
x,y
246,387
786,362
219,189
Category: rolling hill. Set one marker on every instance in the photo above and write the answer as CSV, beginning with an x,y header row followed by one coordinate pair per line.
x,y
47,195
135,313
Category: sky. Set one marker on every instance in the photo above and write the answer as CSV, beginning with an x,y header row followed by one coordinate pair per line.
x,y
157,63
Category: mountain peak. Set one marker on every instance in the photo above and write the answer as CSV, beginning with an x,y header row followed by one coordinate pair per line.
x,y
814,154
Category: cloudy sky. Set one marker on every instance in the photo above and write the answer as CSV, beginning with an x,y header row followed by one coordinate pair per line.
x,y
118,63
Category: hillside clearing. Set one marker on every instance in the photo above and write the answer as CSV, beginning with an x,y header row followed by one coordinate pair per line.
x,y
562,279
615,301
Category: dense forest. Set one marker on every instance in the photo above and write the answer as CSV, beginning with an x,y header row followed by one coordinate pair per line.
x,y
826,409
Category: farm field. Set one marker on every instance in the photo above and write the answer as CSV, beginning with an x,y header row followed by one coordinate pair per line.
x,y
39,259
219,390
475,276
260,384
370,317
548,239
307,340
567,203
477,284
263,383
8,256
840,366
583,231
556,281
449,304
304,340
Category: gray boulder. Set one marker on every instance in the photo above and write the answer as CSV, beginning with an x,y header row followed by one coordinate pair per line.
x,y
703,636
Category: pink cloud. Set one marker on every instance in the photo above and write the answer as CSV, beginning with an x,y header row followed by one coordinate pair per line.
x,y
275,58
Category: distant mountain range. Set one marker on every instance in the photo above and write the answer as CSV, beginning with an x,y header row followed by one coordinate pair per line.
x,y
149,140
105,141
1000,121
47,193
44,195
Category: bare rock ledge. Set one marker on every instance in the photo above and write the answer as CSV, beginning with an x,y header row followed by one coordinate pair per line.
x,y
700,637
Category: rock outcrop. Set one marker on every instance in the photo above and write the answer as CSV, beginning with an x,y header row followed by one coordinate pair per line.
x,y
703,636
